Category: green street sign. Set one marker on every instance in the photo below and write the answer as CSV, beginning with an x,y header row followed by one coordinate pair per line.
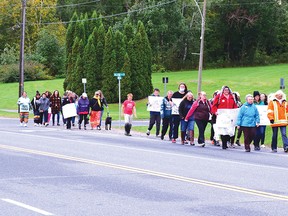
x,y
119,74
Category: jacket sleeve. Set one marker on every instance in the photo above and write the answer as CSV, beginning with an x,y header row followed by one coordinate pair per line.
x,y
239,117
192,110
162,108
181,109
257,116
215,104
270,112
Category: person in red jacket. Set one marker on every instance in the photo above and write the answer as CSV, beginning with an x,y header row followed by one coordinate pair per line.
x,y
224,100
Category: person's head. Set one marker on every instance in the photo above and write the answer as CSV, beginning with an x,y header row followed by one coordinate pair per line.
x,y
56,93
44,95
256,96
226,90
130,96
169,94
215,93
189,96
97,94
48,94
182,88
84,95
249,98
202,95
156,92
263,97
100,94
279,95
24,94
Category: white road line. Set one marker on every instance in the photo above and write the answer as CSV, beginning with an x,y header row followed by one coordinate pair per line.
x,y
31,208
163,153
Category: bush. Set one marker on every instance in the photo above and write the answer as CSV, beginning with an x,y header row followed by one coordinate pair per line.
x,y
157,68
33,71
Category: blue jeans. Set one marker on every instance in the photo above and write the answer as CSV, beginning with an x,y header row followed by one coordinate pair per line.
x,y
187,125
275,137
260,132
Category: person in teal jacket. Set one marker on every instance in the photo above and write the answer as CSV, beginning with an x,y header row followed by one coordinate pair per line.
x,y
248,119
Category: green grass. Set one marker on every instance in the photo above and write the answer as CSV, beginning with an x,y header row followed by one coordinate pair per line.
x,y
243,79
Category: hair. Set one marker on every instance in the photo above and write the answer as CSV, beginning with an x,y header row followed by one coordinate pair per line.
x,y
23,92
156,89
130,95
101,94
54,93
170,92
184,85
248,95
189,93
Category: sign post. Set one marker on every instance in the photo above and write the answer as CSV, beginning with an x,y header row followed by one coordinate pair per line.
x,y
165,80
282,85
119,77
84,81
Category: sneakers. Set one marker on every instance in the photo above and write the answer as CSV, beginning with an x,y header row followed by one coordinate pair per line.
x,y
263,146
201,144
274,151
58,124
148,132
162,137
257,149
21,124
25,125
46,124
98,128
232,145
173,140
286,149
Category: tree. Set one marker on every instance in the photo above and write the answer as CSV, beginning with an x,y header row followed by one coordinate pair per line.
x,y
109,67
126,80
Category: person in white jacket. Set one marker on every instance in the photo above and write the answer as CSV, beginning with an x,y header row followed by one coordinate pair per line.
x,y
24,107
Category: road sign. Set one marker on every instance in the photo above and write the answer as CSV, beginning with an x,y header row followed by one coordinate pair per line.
x,y
119,74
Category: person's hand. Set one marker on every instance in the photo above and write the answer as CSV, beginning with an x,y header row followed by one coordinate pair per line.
x,y
257,125
238,127
272,121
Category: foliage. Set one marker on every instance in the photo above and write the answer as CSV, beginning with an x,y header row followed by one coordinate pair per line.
x,y
32,70
8,56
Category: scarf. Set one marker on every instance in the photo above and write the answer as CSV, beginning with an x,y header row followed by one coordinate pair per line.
x,y
98,100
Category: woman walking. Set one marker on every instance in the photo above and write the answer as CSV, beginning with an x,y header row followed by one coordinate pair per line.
x,y
96,105
43,109
201,109
83,110
55,101
129,109
248,119
35,106
24,107
184,107
166,115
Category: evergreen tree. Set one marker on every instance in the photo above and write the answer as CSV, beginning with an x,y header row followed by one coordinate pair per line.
x,y
109,68
70,35
80,30
126,80
128,32
120,50
70,65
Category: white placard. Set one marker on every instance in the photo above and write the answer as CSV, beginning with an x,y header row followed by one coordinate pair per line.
x,y
69,110
226,121
263,111
154,103
175,107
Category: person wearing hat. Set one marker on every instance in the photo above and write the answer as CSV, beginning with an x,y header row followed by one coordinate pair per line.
x,y
154,116
278,116
83,110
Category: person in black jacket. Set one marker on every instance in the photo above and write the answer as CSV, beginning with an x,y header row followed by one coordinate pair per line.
x,y
154,116
184,107
176,118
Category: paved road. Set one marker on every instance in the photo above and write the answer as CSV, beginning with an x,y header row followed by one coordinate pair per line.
x,y
52,171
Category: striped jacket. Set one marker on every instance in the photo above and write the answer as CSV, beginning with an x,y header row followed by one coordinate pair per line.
x,y
278,112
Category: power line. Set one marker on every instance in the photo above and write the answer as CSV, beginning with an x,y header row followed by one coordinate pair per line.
x,y
103,17
61,6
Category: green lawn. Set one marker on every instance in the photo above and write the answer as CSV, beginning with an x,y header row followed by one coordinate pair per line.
x,y
244,80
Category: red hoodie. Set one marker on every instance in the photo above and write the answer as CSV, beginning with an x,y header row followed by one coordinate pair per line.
x,y
222,102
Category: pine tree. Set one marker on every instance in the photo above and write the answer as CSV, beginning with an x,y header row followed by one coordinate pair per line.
x,y
120,50
126,80
108,68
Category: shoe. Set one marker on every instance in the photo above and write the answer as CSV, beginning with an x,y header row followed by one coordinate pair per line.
x,y
192,144
21,124
257,149
274,151
263,146
217,143
46,124
79,126
247,150
286,150
238,143
84,127
58,124
98,128
173,140
212,142
232,145
73,124
185,142
148,132
25,125
162,137
35,124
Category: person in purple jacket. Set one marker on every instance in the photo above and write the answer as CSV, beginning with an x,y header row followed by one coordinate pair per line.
x,y
83,110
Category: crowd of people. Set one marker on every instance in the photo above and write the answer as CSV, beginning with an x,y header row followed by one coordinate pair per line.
x,y
203,111
192,109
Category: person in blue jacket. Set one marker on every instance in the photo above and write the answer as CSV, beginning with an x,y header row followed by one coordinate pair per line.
x,y
248,120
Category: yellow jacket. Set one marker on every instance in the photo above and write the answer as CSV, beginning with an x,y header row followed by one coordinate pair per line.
x,y
278,112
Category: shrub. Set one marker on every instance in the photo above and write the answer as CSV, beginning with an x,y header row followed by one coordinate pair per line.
x,y
32,71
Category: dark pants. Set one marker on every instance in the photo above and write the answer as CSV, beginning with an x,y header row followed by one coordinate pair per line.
x,y
259,134
225,139
166,122
201,124
239,133
175,126
275,137
44,117
68,122
249,135
83,117
155,118
263,135
53,117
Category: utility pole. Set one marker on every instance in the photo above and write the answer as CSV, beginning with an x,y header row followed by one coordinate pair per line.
x,y
22,44
201,47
